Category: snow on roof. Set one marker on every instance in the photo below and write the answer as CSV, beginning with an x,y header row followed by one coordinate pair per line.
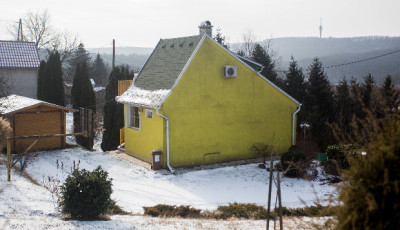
x,y
143,97
14,103
18,54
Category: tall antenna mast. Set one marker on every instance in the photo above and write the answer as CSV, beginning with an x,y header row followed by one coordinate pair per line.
x,y
20,35
320,28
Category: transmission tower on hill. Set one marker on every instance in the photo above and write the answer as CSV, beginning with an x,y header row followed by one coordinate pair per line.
x,y
320,28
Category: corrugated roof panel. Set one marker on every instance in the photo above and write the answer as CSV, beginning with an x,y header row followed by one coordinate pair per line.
x,y
18,54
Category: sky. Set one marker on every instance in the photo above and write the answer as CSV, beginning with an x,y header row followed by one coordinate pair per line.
x,y
142,23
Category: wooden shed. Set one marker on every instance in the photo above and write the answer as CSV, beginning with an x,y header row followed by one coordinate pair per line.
x,y
29,117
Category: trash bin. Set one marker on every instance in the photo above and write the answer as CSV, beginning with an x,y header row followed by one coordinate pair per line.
x,y
156,164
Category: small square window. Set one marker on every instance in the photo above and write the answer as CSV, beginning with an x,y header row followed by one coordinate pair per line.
x,y
149,113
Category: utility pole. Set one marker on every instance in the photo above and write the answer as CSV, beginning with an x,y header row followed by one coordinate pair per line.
x,y
113,60
20,35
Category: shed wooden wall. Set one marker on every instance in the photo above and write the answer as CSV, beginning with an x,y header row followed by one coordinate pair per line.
x,y
37,121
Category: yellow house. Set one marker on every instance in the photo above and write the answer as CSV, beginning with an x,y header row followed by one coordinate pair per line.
x,y
199,103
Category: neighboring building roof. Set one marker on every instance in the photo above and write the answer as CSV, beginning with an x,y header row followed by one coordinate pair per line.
x,y
18,54
15,103
254,65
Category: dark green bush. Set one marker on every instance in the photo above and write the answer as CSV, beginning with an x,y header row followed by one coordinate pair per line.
x,y
314,210
292,159
338,153
331,167
114,209
86,194
248,211
164,210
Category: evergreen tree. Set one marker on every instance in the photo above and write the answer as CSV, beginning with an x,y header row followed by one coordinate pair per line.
x,y
83,96
99,73
79,55
366,90
390,95
355,94
319,104
51,84
220,38
259,55
114,112
295,85
343,106
41,81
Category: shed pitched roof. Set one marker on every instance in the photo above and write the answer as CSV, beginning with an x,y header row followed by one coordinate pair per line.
x,y
15,103
18,54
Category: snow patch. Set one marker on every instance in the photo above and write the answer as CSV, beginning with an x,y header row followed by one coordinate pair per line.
x,y
137,96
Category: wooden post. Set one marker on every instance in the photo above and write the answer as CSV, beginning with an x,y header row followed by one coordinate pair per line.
x,y
8,159
280,201
271,172
89,114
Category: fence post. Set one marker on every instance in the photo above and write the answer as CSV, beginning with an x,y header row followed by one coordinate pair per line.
x,y
8,159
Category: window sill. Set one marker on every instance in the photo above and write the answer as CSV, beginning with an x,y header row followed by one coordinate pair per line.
x,y
135,128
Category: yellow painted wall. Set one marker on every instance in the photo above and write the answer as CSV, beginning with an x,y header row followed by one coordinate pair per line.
x,y
215,119
140,143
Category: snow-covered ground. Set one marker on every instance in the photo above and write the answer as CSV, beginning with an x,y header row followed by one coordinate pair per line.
x,y
135,186
25,205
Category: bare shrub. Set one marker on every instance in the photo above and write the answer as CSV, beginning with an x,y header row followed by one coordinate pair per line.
x,y
5,131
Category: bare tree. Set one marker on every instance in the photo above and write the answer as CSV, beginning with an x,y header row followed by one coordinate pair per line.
x,y
37,28
64,42
272,53
249,40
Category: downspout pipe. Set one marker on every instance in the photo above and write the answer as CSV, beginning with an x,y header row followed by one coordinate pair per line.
x,y
293,123
167,134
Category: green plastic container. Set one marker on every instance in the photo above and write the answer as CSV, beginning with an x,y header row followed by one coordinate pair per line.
x,y
322,157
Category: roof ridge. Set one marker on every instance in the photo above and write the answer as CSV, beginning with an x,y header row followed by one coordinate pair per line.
x,y
17,41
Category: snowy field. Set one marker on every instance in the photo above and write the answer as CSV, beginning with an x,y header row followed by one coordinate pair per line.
x,y
24,205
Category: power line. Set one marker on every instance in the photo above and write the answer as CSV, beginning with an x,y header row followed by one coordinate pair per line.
x,y
363,60
354,62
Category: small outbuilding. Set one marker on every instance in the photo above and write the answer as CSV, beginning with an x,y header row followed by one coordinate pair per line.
x,y
29,117
19,66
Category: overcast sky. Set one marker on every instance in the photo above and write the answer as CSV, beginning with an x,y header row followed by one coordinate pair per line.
x,y
143,22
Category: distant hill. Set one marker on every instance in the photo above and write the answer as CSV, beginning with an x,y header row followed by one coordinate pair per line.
x,y
335,51
135,57
331,51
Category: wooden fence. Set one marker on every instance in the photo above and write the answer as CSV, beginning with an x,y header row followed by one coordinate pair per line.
x,y
123,86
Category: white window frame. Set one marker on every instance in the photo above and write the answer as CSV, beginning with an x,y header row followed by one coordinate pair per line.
x,y
147,112
128,118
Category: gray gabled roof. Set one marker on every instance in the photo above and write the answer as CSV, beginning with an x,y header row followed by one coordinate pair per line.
x,y
166,63
18,54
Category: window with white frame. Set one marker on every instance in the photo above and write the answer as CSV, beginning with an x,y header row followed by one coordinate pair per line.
x,y
133,117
